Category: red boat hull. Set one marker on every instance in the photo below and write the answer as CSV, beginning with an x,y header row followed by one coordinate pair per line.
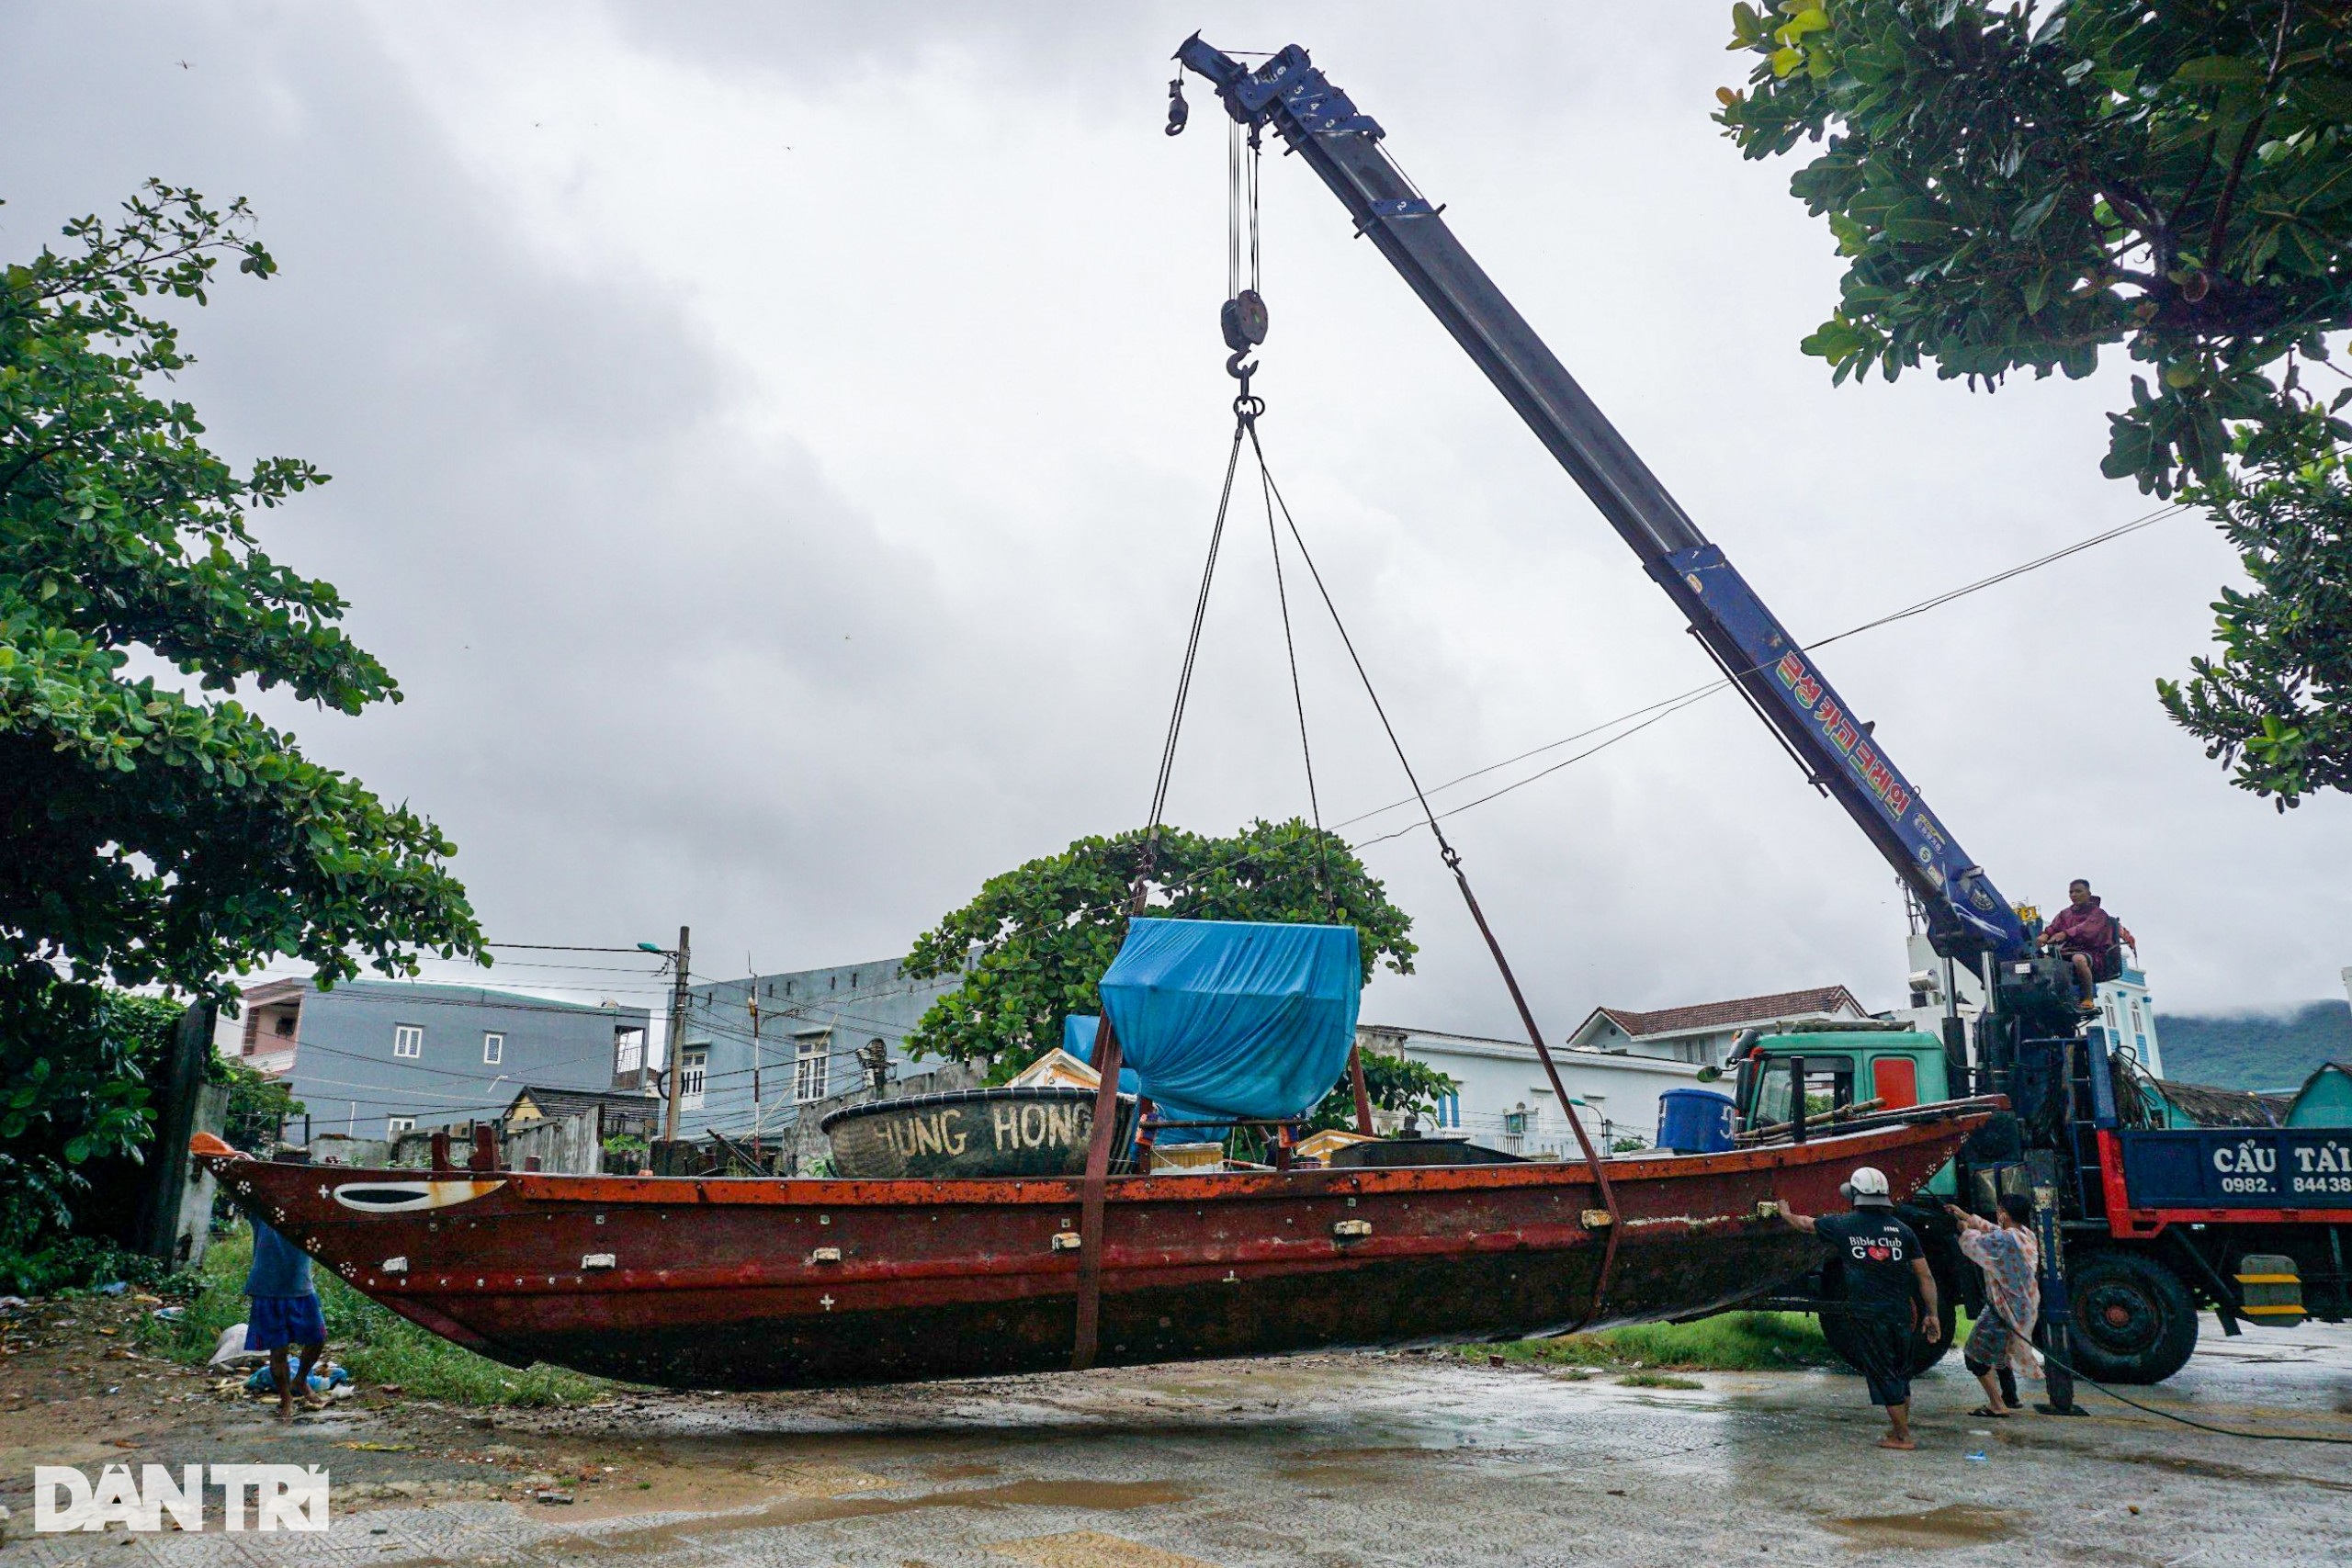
x,y
757,1283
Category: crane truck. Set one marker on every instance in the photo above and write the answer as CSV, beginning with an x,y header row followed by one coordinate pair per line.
x,y
2141,1224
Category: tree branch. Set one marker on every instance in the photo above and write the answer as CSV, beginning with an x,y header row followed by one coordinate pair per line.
x,y
2246,142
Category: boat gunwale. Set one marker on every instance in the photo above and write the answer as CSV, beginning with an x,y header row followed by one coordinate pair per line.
x,y
845,1192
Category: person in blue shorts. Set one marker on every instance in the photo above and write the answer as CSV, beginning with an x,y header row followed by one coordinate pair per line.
x,y
285,1315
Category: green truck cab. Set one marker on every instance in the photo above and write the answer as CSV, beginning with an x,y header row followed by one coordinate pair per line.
x,y
1846,1072
1849,1072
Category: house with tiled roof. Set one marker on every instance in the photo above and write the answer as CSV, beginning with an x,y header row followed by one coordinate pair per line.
x,y
1702,1033
637,1111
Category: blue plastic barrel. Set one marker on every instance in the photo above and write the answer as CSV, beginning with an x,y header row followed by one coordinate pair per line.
x,y
1694,1120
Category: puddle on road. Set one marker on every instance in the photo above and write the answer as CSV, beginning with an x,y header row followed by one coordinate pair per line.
x,y
1954,1524
2218,1471
1111,1497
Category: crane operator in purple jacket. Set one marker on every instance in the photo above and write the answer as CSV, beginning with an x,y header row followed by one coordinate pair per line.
x,y
2087,937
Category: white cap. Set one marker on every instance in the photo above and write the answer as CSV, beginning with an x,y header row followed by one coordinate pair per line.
x,y
1866,1189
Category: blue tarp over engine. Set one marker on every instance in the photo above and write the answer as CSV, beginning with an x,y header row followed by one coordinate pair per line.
x,y
1077,1039
1233,1017
1078,1033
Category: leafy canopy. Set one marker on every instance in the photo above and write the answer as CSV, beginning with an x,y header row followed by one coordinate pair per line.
x,y
1391,1083
149,836
1033,944
2017,187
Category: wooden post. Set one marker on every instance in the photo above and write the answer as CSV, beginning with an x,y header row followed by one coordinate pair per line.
x,y
1364,1095
1098,1170
175,1122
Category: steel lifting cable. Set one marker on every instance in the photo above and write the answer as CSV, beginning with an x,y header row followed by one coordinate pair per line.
x,y
1453,858
1298,696
1192,643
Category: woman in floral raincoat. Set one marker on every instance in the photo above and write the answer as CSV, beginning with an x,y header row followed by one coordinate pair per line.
x,y
2010,1256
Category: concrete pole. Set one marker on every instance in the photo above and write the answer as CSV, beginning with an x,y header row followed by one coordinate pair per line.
x,y
677,1041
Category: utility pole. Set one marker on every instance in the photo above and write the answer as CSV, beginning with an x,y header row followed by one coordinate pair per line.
x,y
677,1042
752,998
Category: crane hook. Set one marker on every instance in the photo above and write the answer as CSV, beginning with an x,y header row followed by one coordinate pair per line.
x,y
1179,111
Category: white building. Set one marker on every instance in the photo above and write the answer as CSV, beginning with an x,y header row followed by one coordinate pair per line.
x,y
1703,1034
1505,1102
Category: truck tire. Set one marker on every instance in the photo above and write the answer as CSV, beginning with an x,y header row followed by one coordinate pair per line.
x,y
1836,1327
2133,1321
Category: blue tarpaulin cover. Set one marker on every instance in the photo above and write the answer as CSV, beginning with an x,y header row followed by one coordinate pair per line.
x,y
1077,1039
1234,1018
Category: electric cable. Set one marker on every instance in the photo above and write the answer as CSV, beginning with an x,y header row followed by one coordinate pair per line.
x,y
2191,1420
1684,699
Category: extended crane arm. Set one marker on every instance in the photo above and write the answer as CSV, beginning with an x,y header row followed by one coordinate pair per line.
x,y
1966,915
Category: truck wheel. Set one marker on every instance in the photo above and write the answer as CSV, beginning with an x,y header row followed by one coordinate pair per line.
x,y
1838,1328
2133,1321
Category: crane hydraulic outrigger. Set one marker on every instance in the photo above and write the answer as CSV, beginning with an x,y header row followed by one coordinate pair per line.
x,y
1967,918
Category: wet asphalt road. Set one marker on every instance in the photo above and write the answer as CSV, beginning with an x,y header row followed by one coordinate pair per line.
x,y
1342,1460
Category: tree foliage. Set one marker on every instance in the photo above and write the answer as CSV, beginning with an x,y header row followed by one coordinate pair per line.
x,y
76,1092
1035,942
149,836
2017,187
1392,1083
260,1104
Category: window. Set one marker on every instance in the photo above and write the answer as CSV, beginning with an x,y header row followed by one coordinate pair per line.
x,y
629,1050
1449,1111
809,1070
395,1125
1895,1081
494,1049
284,1027
693,1067
408,1040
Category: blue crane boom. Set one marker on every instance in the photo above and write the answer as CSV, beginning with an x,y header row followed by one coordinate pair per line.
x,y
1966,915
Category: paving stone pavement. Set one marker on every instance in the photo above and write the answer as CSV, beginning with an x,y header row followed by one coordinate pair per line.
x,y
1389,1460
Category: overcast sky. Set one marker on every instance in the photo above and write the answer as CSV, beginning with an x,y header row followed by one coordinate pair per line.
x,y
773,446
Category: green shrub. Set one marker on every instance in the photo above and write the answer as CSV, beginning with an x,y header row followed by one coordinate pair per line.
x,y
376,1346
1732,1341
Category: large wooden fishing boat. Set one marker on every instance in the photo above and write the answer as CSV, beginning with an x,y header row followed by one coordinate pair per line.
x,y
774,1282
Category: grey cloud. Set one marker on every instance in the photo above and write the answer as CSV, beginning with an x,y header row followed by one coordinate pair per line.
x,y
669,656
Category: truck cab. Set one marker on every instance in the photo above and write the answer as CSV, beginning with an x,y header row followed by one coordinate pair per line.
x,y
1838,1073
1846,1072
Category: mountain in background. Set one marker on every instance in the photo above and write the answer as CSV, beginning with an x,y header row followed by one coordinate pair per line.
x,y
2255,1051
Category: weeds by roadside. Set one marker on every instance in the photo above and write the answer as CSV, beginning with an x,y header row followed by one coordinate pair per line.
x,y
1734,1341
375,1345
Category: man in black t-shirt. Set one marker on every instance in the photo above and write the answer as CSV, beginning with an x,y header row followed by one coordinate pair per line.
x,y
1886,1280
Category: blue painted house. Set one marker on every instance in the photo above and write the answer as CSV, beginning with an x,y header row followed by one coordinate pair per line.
x,y
374,1057
758,1049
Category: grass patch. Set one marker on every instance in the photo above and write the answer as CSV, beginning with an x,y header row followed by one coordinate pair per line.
x,y
1647,1378
372,1343
1728,1342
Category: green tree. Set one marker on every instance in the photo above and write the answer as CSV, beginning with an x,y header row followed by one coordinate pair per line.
x,y
149,836
259,1103
1035,942
1392,1083
81,1099
2017,187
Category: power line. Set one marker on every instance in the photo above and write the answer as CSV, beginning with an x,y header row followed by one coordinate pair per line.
x,y
575,947
1674,705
